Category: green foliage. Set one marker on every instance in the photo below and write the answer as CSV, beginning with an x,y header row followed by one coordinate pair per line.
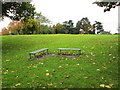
x,y
68,26
59,28
31,26
107,4
96,67
42,19
84,25
98,26
45,29
19,10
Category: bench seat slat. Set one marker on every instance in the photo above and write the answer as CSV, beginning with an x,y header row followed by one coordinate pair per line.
x,y
68,49
38,50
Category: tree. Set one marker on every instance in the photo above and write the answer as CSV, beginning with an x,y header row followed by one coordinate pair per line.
x,y
18,10
92,30
42,19
15,27
5,31
59,28
83,25
108,4
68,26
78,26
31,26
98,27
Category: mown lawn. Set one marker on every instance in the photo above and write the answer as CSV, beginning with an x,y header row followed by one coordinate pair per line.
x,y
96,67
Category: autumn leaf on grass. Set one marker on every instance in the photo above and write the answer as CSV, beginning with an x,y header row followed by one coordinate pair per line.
x,y
102,77
42,63
47,74
12,71
107,86
7,60
113,57
46,70
110,85
5,73
18,84
50,84
67,76
91,59
93,63
110,54
34,66
91,53
102,85
98,69
78,64
59,66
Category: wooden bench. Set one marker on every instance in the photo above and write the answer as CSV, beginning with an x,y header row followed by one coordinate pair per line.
x,y
70,49
33,54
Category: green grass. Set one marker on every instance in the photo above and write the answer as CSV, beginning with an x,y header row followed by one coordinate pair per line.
x,y
98,63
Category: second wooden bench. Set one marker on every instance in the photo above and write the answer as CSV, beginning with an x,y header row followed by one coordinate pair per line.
x,y
73,49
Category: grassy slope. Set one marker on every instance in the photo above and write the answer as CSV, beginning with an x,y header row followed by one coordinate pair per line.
x,y
97,64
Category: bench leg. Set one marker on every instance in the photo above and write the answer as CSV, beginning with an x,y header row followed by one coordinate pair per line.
x,y
59,52
30,56
79,52
47,51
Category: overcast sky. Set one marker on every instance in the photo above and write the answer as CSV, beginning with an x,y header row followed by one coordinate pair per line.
x,y
64,10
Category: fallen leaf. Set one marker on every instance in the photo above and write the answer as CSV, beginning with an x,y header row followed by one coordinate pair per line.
x,y
43,87
113,57
98,69
110,54
59,66
102,85
42,63
107,86
7,60
50,84
46,70
78,64
18,84
93,62
102,77
34,66
110,85
5,73
67,76
47,74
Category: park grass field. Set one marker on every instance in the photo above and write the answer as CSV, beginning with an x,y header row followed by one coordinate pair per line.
x,y
96,67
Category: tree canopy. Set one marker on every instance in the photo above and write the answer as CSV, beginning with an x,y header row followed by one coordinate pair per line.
x,y
108,4
18,10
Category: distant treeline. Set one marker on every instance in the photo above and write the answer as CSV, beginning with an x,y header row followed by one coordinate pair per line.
x,y
35,26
